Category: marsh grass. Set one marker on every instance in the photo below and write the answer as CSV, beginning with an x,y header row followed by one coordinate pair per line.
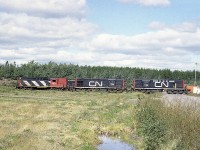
x,y
39,119
168,125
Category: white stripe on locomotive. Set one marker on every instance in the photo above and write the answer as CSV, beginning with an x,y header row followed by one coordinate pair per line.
x,y
26,82
43,83
35,83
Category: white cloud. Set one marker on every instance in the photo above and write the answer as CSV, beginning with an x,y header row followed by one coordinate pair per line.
x,y
172,47
23,30
185,26
48,8
148,2
43,30
143,43
69,37
155,25
167,47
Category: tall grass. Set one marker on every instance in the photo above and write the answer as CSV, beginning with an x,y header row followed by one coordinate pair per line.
x,y
168,125
51,119
8,82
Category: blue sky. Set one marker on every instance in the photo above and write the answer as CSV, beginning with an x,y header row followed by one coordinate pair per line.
x,y
122,18
135,33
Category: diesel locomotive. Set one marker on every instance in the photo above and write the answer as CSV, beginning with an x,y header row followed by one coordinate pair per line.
x,y
170,86
146,86
42,83
107,84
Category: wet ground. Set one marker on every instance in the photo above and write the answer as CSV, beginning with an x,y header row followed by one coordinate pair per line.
x,y
113,144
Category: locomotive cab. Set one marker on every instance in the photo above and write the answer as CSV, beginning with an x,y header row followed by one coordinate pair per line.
x,y
60,83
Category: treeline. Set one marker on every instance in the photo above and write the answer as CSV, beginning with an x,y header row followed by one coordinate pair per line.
x,y
52,69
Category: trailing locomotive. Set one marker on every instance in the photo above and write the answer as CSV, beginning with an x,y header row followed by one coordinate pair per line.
x,y
107,84
149,86
41,83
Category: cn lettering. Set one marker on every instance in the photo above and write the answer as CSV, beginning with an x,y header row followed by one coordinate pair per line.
x,y
95,83
161,84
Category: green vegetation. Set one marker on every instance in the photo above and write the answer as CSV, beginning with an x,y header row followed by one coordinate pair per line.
x,y
51,69
165,125
50,119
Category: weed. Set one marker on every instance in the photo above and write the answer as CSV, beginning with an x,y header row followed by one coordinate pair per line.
x,y
167,125
151,127
87,146
8,141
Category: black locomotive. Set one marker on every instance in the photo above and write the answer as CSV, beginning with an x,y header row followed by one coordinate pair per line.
x,y
149,86
108,84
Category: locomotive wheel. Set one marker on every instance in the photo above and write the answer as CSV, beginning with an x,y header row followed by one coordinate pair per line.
x,y
148,92
186,92
175,92
121,91
169,92
180,92
143,91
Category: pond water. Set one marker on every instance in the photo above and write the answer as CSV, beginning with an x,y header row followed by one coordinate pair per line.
x,y
113,144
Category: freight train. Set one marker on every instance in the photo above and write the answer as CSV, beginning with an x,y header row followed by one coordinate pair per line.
x,y
111,85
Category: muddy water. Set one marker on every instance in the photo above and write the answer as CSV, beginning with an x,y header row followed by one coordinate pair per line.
x,y
113,144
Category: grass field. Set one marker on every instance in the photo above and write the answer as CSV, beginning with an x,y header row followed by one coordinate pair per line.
x,y
59,120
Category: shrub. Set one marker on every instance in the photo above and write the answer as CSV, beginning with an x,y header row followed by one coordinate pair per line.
x,y
168,125
150,127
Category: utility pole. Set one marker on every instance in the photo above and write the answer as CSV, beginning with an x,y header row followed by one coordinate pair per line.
x,y
195,75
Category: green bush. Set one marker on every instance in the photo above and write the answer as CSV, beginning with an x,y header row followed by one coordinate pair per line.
x,y
168,125
150,127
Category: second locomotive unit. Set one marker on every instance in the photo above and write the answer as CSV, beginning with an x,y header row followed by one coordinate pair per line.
x,y
107,84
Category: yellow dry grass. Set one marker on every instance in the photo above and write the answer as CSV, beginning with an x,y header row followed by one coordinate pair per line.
x,y
57,120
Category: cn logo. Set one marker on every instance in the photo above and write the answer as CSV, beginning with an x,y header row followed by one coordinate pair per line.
x,y
95,83
161,84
